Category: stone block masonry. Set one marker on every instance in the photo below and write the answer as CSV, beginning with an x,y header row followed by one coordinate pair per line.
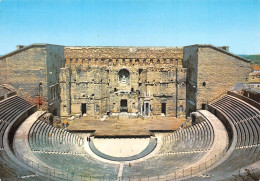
x,y
34,71
211,72
143,81
107,80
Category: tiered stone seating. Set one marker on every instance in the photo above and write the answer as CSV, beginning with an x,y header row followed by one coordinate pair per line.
x,y
76,165
10,110
11,171
246,121
44,137
161,165
179,150
195,138
63,151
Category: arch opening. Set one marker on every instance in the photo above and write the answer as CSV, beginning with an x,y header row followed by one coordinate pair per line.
x,y
124,76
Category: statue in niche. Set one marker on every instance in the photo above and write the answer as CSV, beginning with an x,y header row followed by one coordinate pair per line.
x,y
123,79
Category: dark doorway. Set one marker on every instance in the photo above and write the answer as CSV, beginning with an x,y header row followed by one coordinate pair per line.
x,y
83,108
123,105
54,112
203,106
147,109
163,108
193,118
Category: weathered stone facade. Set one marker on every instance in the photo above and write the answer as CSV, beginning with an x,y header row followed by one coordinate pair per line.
x,y
97,81
211,71
34,71
142,81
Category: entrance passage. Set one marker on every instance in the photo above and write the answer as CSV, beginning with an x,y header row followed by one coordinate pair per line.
x,y
146,109
163,108
123,105
83,108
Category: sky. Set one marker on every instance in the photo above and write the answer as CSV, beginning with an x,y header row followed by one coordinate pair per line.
x,y
233,23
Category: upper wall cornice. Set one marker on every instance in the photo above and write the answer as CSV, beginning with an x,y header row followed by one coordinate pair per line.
x,y
220,50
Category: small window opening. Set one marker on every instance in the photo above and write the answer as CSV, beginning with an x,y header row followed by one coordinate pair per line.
x,y
163,108
97,108
181,108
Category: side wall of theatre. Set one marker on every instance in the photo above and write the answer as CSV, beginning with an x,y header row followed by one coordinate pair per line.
x,y
212,71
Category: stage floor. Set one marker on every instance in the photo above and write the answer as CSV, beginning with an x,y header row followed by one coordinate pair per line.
x,y
126,126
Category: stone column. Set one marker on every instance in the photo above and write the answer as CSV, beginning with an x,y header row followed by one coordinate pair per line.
x,y
144,109
141,110
149,109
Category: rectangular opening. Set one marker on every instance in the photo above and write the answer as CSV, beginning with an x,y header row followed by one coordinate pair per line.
x,y
181,108
123,105
83,108
163,108
203,106
147,109
193,118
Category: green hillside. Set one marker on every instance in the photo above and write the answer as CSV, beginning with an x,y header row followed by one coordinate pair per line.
x,y
254,58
